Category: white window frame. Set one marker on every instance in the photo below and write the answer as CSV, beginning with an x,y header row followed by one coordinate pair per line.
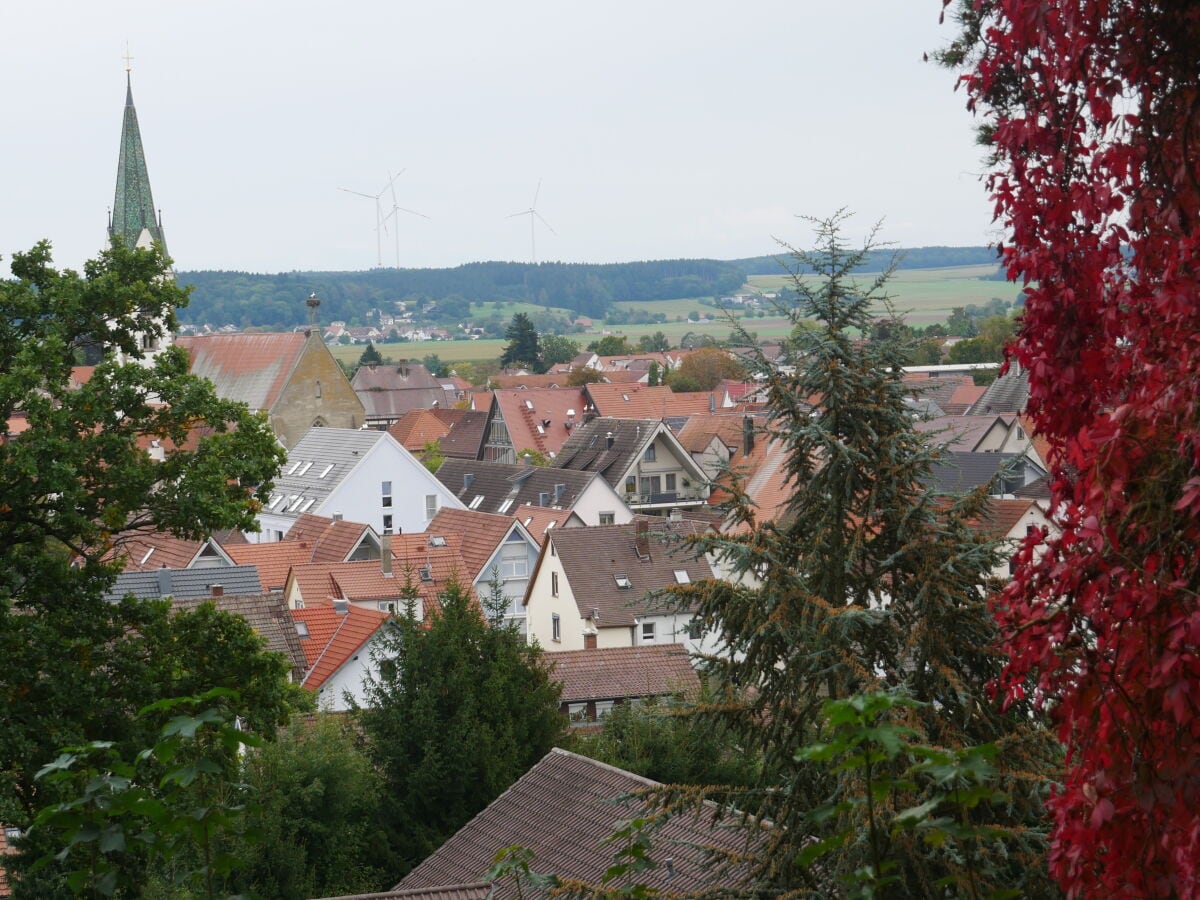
x,y
649,632
555,628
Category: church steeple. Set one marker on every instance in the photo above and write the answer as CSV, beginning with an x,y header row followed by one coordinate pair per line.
x,y
134,217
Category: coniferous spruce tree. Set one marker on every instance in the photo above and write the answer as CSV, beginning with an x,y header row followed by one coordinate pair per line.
x,y
522,348
866,584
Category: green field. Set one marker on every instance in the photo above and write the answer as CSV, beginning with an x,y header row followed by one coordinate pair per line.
x,y
922,296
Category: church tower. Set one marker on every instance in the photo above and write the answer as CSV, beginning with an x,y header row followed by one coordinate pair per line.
x,y
134,219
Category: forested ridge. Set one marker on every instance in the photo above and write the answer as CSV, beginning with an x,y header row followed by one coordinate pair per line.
x,y
276,300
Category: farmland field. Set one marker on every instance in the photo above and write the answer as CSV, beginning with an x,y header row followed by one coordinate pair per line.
x,y
922,296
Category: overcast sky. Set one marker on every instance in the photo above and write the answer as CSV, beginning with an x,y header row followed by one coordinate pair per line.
x,y
657,129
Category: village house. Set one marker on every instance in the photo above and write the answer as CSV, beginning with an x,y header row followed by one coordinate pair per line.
x,y
387,392
595,681
602,587
361,476
338,641
293,378
539,419
641,459
503,488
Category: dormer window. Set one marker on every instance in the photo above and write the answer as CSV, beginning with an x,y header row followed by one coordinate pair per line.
x,y
426,573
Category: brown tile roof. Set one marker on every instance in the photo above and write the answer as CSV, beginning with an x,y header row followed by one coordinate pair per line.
x,y
538,520
267,614
593,557
480,890
332,540
273,560
564,809
698,432
1000,516
621,672
333,638
396,377
637,401
416,428
964,397
252,368
513,483
480,534
468,427
150,549
525,411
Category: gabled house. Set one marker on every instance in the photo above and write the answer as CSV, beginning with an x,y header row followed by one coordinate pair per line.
x,y
496,550
962,472
638,401
1010,521
388,392
267,614
361,476
313,539
538,419
502,488
416,429
713,440
642,460
599,587
414,567
538,520
594,681
145,549
292,378
565,810
338,642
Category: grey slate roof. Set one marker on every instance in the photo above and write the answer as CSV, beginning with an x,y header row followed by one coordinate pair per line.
x,y
501,482
337,449
587,449
564,809
963,472
186,583
593,557
1007,394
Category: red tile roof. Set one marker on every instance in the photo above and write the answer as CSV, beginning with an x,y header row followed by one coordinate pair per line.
x,y
622,672
638,401
273,560
1001,516
333,638
480,534
252,368
416,428
525,411
332,540
539,520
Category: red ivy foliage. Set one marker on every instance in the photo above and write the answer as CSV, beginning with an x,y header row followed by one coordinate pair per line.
x,y
1093,113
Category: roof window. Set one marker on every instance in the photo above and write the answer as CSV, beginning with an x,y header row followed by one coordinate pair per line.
x,y
503,508
303,471
325,471
623,582
437,541
682,576
475,503
307,504
147,556
529,404
426,573
296,465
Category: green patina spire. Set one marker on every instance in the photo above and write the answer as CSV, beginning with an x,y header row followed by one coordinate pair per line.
x,y
133,216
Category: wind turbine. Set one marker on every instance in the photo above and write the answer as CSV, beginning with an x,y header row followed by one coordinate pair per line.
x,y
396,209
380,219
534,214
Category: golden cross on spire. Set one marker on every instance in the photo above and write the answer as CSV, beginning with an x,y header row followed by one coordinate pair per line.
x,y
128,58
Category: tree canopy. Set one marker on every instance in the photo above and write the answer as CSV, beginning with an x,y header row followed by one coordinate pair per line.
x,y
78,473
523,348
458,711
865,585
1089,112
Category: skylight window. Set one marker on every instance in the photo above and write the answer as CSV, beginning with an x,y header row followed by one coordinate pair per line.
x,y
625,397
529,404
682,577
475,503
426,573
275,498
541,430
308,503
437,541
623,582
505,505
296,465
147,556
325,471
295,500
307,466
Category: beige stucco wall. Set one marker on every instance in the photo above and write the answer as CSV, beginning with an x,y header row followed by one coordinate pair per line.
x,y
541,606
299,407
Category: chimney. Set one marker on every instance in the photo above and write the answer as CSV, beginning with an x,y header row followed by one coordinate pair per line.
x,y
164,582
385,555
337,517
642,537
747,435
468,480
712,403
341,606
676,515
217,590
527,459
608,440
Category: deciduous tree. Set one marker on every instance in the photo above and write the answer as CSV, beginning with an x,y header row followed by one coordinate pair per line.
x,y
1091,115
